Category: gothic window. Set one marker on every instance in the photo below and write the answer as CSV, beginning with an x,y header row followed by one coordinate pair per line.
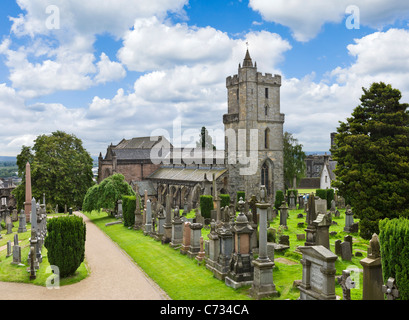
x,y
266,93
266,138
237,93
266,110
264,175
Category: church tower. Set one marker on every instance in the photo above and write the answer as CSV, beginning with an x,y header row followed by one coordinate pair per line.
x,y
254,131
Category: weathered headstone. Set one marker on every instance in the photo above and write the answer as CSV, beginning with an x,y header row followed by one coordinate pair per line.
x,y
338,247
195,234
318,275
349,219
214,247
32,263
263,285
201,254
320,205
346,253
292,205
16,251
241,268
390,289
167,236
346,284
372,271
322,224
283,214
311,216
186,238
177,230
9,252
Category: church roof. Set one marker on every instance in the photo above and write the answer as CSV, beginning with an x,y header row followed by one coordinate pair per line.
x,y
140,143
192,174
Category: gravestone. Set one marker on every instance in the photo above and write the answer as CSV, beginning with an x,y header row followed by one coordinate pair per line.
x,y
201,255
390,289
372,271
320,205
241,271
283,215
148,225
346,284
346,253
292,204
222,266
138,215
338,247
32,263
214,247
263,285
195,234
301,236
318,275
120,211
349,219
284,240
177,230
311,216
161,222
14,215
186,238
16,251
322,224
167,236
9,252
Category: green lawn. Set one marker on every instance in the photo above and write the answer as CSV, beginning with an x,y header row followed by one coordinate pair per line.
x,y
184,279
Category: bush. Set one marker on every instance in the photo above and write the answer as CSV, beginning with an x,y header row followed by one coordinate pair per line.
x,y
128,210
225,200
206,205
322,193
394,242
107,193
279,199
330,197
65,243
241,194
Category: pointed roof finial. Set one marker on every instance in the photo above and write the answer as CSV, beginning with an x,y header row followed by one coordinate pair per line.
x,y
247,62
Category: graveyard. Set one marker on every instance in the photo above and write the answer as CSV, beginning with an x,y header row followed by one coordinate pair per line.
x,y
202,285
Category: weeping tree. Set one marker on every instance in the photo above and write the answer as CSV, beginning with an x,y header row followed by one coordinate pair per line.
x,y
107,193
294,161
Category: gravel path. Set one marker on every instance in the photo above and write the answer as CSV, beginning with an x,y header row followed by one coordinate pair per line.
x,y
114,276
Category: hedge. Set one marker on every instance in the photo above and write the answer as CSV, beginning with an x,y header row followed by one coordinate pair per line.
x,y
65,243
241,194
128,210
279,199
206,206
225,200
394,242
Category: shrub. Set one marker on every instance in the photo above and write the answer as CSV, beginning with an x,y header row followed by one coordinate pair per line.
x,y
394,242
128,210
107,193
65,243
322,193
279,199
225,200
241,194
206,205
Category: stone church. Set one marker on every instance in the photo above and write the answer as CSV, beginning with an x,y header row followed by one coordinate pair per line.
x,y
253,154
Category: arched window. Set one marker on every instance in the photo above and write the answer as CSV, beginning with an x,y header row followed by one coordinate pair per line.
x,y
266,110
266,138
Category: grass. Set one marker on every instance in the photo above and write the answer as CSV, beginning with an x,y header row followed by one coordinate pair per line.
x,y
16,273
179,276
168,268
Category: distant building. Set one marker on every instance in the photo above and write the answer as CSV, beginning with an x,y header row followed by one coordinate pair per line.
x,y
6,198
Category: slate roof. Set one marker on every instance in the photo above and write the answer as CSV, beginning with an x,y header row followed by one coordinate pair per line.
x,y
145,185
192,174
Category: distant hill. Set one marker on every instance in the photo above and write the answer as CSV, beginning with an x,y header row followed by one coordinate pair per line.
x,y
4,158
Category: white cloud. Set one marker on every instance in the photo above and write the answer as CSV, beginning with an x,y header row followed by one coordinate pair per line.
x,y
314,109
91,16
306,17
109,70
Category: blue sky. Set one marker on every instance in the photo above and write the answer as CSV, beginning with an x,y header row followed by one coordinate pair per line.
x,y
112,71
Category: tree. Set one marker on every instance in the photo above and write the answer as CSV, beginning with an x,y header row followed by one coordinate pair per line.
x,y
294,161
60,167
372,153
205,141
107,193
